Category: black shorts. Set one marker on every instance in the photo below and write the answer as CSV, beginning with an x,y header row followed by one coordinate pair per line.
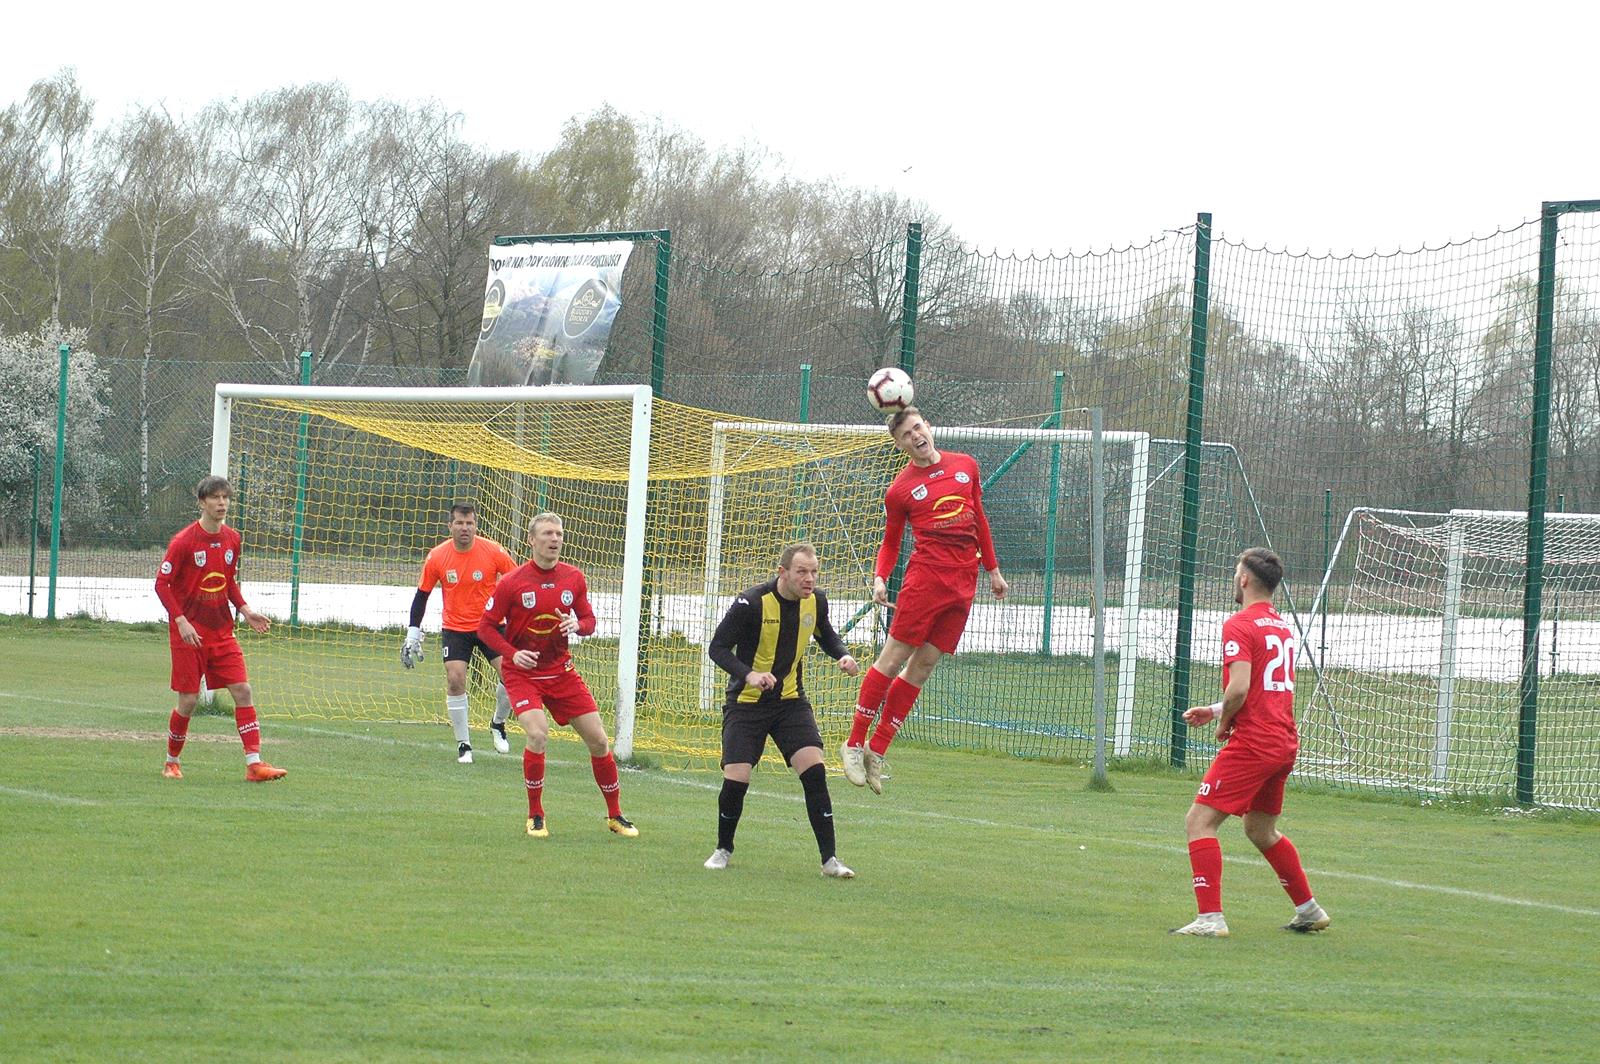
x,y
746,725
458,646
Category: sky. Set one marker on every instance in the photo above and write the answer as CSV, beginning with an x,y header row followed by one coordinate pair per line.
x,y
1029,127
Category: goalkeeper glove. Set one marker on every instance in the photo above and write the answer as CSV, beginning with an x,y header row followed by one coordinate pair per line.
x,y
411,650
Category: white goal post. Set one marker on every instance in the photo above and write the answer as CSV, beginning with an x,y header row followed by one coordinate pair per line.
x,y
638,397
1138,444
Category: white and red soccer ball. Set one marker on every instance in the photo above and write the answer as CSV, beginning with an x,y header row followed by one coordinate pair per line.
x,y
890,389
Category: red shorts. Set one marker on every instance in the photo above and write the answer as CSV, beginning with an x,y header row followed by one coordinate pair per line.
x,y
564,695
1241,782
932,607
217,658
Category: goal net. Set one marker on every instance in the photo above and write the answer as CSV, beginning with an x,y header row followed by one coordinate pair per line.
x,y
1419,685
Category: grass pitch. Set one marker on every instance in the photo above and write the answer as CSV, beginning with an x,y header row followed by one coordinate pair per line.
x,y
382,902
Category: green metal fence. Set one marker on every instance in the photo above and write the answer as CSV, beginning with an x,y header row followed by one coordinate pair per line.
x,y
1278,392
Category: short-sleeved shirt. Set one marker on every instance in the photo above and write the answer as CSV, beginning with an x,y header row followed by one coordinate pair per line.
x,y
1265,725
943,503
530,602
198,579
468,578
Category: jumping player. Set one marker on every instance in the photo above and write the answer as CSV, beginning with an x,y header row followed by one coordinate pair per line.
x,y
197,582
1256,721
467,566
542,604
939,494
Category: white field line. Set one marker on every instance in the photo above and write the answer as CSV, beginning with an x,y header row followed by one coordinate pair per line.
x,y
46,796
924,814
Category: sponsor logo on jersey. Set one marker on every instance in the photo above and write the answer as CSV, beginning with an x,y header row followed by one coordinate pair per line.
x,y
936,473
1230,648
227,556
546,587
451,576
566,597
477,574
529,598
544,624
166,568
199,557
948,506
919,492
213,582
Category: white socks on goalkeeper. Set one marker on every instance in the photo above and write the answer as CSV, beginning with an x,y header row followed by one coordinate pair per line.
x,y
456,705
502,704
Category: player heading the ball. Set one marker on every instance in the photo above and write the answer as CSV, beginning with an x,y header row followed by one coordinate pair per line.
x,y
1255,722
198,583
467,566
541,606
940,495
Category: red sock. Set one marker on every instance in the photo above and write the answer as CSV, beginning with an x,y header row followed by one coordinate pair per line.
x,y
873,686
605,774
1205,858
533,776
177,732
249,729
1285,860
896,707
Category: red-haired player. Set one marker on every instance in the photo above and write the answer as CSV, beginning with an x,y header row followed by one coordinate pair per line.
x,y
939,495
543,603
198,583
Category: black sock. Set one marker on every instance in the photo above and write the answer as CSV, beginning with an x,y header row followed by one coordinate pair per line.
x,y
819,807
730,806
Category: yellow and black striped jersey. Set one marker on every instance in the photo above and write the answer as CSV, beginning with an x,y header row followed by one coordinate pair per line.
x,y
765,632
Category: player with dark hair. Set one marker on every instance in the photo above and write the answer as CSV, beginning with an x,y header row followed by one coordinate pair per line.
x,y
760,644
542,605
1255,721
940,496
198,583
467,566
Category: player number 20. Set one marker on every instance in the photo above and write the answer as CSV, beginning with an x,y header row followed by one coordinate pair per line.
x,y
1280,670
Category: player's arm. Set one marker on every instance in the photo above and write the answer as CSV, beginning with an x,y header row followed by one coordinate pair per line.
x,y
828,639
986,555
411,649
894,530
257,621
1236,659
741,623
494,615
167,592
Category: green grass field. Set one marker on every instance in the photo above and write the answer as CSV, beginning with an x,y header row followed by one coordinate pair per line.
x,y
382,902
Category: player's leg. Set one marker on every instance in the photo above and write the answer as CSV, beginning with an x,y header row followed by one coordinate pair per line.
x,y
1261,828
808,766
1205,864
502,710
874,685
225,668
535,733
187,666
456,648
744,736
604,765
897,705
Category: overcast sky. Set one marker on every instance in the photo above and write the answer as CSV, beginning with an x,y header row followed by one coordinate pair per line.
x,y
1330,127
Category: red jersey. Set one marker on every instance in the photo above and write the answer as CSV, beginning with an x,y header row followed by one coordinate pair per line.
x,y
527,600
1265,724
468,577
944,504
198,578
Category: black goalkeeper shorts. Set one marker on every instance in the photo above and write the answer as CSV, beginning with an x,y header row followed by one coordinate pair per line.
x,y
746,725
458,646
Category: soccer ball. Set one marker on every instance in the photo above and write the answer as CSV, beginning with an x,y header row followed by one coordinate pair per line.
x,y
890,389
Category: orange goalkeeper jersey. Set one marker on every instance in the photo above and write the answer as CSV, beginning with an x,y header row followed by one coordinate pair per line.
x,y
468,578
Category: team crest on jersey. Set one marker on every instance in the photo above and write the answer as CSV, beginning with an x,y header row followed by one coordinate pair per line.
x,y
529,598
451,577
961,477
227,555
199,557
566,596
919,492
477,574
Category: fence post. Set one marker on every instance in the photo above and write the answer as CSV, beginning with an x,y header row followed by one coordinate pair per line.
x,y
1051,518
1191,486
60,472
799,477
33,523
658,320
908,307
300,458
